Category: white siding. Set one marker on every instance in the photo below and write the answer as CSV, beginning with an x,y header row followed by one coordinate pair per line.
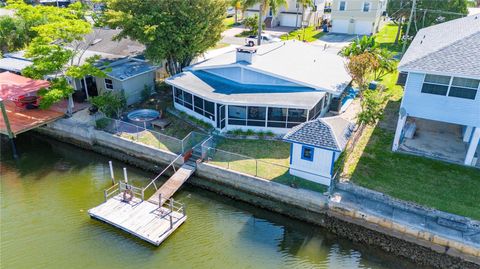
x,y
440,108
319,170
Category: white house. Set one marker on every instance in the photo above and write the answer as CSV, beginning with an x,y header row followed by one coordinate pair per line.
x,y
358,17
273,87
316,146
291,15
440,110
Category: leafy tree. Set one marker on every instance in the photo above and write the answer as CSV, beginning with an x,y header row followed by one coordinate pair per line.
x,y
385,58
55,48
264,6
304,4
386,63
110,103
360,46
360,67
373,104
427,12
173,30
251,24
13,35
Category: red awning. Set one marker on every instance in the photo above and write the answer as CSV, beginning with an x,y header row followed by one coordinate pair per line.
x,y
12,85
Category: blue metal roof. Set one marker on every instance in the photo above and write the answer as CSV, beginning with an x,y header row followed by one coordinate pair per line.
x,y
128,69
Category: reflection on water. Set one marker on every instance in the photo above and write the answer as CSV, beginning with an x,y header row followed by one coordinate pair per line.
x,y
44,224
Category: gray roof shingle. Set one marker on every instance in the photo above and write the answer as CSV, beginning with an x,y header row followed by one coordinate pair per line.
x,y
451,47
331,133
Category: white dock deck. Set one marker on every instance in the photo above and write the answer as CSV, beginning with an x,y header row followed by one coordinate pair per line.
x,y
140,218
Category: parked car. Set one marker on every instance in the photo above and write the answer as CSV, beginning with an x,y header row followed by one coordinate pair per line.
x,y
266,38
230,11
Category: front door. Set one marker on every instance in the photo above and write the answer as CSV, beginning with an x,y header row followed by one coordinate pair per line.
x,y
220,116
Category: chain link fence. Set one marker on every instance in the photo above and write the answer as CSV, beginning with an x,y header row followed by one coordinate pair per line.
x,y
141,134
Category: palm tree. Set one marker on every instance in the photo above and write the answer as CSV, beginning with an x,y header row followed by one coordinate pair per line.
x,y
237,4
304,4
264,5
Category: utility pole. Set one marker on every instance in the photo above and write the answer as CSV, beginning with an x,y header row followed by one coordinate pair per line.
x,y
414,4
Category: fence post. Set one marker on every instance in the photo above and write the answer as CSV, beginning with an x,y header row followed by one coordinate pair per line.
x,y
160,200
256,167
171,222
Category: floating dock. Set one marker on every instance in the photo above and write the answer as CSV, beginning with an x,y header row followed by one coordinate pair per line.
x,y
152,220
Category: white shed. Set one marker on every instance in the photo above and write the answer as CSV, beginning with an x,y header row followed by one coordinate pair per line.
x,y
316,145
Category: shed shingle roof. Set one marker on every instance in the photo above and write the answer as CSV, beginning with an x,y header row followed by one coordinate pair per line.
x,y
331,133
451,47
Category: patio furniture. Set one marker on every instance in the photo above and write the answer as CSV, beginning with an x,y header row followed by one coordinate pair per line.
x,y
161,123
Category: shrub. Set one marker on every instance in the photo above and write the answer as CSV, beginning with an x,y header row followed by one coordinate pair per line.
x,y
102,123
111,103
146,93
252,24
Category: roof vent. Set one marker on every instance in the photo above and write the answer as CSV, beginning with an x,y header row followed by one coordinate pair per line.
x,y
246,54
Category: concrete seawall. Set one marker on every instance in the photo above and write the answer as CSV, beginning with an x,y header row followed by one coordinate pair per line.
x,y
420,245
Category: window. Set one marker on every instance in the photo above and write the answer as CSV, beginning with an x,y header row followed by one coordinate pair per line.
x,y
277,117
178,96
316,110
256,116
434,84
307,153
461,87
342,6
464,88
108,84
366,6
237,115
187,99
296,116
198,104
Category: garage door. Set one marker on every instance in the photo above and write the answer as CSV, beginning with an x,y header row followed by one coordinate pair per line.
x,y
340,26
363,27
290,20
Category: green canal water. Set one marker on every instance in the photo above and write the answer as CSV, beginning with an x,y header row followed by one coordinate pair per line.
x,y
46,193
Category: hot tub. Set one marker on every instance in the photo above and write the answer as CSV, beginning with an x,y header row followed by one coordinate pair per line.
x,y
143,117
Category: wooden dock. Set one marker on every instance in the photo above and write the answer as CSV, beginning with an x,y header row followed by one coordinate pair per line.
x,y
143,219
172,184
152,220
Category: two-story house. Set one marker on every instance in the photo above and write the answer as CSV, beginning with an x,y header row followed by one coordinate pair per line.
x,y
357,17
440,110
291,15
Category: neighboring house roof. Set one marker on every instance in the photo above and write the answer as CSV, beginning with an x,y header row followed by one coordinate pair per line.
x,y
101,40
330,133
450,48
13,85
294,61
14,64
128,67
215,88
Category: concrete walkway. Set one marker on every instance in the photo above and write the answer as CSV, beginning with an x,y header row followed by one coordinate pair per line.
x,y
435,222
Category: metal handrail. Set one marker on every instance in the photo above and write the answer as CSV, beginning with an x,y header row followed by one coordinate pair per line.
x,y
161,173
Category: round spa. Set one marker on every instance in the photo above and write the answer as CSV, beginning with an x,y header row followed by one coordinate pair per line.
x,y
143,117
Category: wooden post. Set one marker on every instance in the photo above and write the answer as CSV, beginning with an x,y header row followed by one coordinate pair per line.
x,y
111,172
171,221
125,175
171,205
9,129
160,200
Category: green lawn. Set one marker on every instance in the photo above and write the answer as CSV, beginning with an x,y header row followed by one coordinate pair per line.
x,y
267,159
386,37
372,164
311,34
229,22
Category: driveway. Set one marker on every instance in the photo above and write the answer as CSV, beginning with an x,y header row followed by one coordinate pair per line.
x,y
228,36
333,41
